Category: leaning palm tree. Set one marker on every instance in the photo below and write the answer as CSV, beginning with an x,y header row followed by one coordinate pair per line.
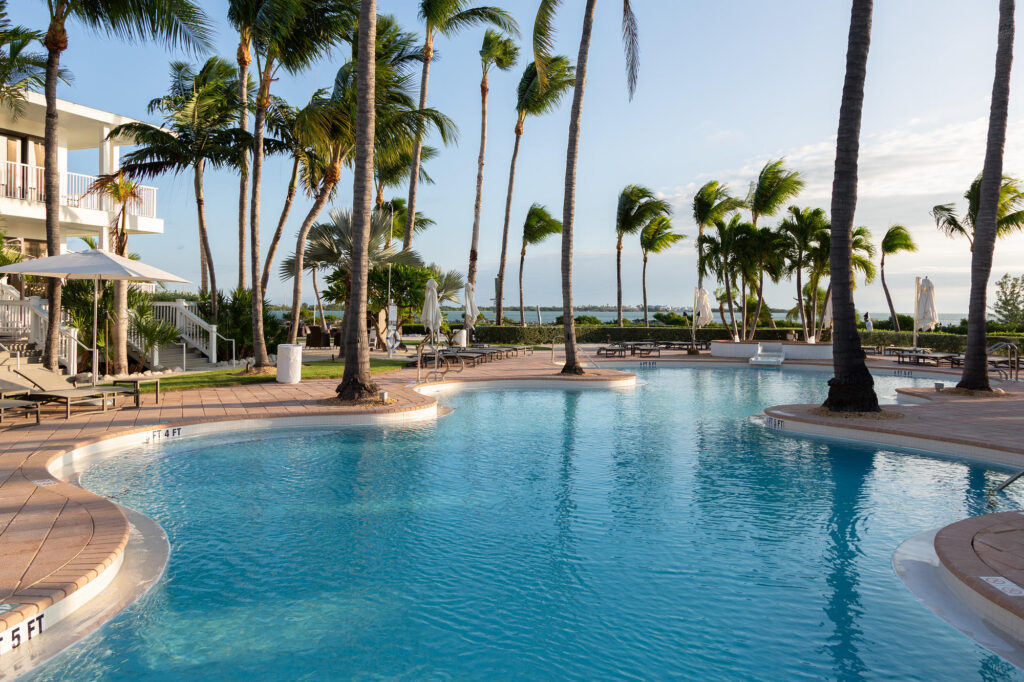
x,y
637,208
499,52
357,382
896,240
198,114
803,227
543,45
862,253
533,98
768,252
539,226
718,253
852,388
123,193
1009,211
20,69
178,22
712,202
975,374
656,237
446,17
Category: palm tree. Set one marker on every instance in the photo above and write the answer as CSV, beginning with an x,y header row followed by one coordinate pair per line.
x,y
289,35
852,388
656,237
862,251
767,249
446,17
123,193
987,228
897,239
243,15
501,52
803,228
177,22
1009,211
450,283
533,98
637,208
539,226
198,115
718,253
396,207
543,43
20,69
357,382
711,203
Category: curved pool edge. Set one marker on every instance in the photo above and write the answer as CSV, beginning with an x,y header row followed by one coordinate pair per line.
x,y
93,576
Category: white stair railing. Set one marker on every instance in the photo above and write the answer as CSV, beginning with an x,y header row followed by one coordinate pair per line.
x,y
197,332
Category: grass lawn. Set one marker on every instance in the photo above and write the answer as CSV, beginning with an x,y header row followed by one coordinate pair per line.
x,y
233,377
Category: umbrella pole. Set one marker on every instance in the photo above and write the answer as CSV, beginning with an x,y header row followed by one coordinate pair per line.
x,y
917,302
693,317
95,320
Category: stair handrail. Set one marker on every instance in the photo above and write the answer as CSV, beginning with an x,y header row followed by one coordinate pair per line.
x,y
7,292
196,331
67,340
1013,355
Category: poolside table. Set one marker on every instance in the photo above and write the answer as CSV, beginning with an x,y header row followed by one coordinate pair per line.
x,y
137,383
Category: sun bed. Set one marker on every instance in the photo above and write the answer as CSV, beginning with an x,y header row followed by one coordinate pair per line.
x,y
613,351
26,407
83,396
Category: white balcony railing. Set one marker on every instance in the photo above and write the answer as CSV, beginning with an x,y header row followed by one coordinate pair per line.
x,y
21,181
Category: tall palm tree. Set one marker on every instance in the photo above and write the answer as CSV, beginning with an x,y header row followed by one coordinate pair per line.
x,y
896,240
539,226
862,253
656,237
852,388
397,208
176,22
718,257
711,203
543,44
357,383
124,193
533,98
20,69
244,15
803,227
502,53
198,130
446,17
287,35
767,248
637,208
1009,211
975,374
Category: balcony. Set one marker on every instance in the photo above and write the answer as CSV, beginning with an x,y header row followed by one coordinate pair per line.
x,y
21,181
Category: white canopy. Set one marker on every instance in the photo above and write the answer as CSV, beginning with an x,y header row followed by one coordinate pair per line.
x,y
92,264
925,315
471,309
431,316
702,308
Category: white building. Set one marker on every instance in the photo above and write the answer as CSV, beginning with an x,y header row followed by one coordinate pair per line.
x,y
22,207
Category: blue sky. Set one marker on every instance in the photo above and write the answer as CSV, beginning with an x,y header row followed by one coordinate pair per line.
x,y
724,86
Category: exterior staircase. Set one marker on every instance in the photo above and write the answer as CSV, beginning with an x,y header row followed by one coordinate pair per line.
x,y
194,360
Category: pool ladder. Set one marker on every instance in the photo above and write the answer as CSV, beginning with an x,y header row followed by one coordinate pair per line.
x,y
1012,371
579,350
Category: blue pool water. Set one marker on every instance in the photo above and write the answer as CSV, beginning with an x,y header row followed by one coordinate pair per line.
x,y
543,535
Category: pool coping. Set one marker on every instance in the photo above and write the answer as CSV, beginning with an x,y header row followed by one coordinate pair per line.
x,y
96,565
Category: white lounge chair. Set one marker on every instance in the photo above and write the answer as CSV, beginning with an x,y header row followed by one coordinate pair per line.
x,y
771,354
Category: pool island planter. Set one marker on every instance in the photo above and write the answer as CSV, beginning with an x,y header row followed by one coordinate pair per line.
x,y
794,350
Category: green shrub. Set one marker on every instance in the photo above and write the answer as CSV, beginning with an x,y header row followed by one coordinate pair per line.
x,y
943,343
535,335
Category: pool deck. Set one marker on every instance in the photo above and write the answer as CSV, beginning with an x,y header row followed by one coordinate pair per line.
x,y
56,539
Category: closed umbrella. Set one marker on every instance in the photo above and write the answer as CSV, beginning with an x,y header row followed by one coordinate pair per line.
x,y
925,315
431,316
540,320
827,314
471,310
94,264
702,308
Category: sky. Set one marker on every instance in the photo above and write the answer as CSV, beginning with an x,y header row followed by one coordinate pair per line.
x,y
724,87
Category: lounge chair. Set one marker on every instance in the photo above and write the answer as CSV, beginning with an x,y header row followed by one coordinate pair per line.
x,y
316,338
26,407
84,396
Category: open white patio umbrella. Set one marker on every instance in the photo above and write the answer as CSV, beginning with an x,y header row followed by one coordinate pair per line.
x,y
471,309
925,315
431,316
96,265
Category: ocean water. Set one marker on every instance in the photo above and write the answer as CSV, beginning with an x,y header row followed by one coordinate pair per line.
x,y
653,533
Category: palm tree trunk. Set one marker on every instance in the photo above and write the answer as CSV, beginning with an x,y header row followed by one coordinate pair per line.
x,y
244,59
728,298
760,302
800,296
852,388
888,297
643,280
478,201
120,331
417,150
522,305
743,306
329,181
319,301
204,270
975,374
293,185
618,276
572,363
56,41
357,382
204,238
499,290
821,315
721,314
259,342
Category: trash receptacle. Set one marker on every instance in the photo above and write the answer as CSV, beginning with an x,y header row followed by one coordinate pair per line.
x,y
289,363
459,338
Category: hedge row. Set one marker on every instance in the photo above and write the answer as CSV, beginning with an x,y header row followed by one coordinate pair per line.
x,y
535,335
943,343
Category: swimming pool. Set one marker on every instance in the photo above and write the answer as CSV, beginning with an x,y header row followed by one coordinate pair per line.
x,y
534,534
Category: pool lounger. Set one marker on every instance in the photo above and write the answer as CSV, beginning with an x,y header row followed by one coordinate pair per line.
x,y
26,407
81,396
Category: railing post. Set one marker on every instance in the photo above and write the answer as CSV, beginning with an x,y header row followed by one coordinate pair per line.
x,y
212,355
179,307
